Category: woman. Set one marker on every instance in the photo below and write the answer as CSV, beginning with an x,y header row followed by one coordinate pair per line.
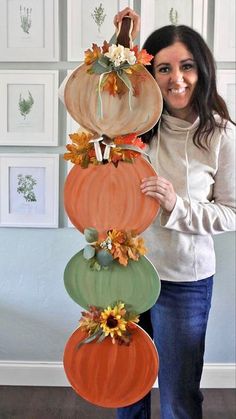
x,y
192,150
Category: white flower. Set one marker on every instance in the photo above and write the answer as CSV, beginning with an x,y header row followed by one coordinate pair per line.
x,y
129,56
118,55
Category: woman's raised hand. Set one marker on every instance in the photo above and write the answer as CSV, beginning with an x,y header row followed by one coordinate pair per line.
x,y
135,17
160,189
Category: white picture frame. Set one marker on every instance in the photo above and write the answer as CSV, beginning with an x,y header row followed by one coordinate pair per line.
x,y
226,85
29,107
29,30
29,190
224,31
158,13
83,29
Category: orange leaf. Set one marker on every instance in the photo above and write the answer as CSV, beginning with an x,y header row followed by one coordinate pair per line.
x,y
110,84
105,47
144,58
92,55
136,52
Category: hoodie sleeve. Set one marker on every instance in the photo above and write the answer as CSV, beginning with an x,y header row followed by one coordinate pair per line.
x,y
218,215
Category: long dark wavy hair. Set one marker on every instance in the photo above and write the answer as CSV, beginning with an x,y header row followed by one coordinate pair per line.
x,y
206,101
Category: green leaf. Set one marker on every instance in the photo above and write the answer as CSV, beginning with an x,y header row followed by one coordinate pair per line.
x,y
104,61
101,338
95,266
89,252
99,69
91,234
90,338
104,258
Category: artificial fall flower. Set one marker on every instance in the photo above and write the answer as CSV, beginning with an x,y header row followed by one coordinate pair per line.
x,y
119,54
89,321
81,151
130,56
112,320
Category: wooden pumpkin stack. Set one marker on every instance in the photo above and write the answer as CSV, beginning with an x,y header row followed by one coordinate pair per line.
x,y
109,360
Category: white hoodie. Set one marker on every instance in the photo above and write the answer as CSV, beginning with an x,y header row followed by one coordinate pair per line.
x,y
180,244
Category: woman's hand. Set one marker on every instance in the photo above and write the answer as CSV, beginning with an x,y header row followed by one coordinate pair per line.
x,y
160,189
135,17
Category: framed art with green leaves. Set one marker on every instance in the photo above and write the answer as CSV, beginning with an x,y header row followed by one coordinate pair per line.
x,y
157,13
29,107
90,22
29,30
29,190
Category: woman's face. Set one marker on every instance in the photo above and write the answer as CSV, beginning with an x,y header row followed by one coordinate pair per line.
x,y
177,76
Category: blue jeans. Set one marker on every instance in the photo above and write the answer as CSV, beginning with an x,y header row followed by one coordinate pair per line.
x,y
179,321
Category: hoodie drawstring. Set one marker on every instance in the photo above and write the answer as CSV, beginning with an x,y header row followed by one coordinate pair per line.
x,y
187,179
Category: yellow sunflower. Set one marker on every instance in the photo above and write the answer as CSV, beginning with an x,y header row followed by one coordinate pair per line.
x,y
112,320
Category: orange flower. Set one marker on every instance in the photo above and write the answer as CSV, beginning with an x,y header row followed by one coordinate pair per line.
x,y
91,56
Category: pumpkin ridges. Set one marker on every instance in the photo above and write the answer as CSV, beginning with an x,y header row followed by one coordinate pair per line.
x,y
80,366
87,192
137,284
118,119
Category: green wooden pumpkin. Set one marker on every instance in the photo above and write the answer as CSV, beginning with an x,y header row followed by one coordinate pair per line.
x,y
137,284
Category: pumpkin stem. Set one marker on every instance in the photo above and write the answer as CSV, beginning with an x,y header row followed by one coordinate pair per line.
x,y
124,32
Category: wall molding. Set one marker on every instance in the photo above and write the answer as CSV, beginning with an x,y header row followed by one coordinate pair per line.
x,y
52,374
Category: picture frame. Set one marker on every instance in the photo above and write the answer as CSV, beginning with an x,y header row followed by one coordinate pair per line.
x,y
224,42
29,107
29,30
90,22
226,85
29,190
156,13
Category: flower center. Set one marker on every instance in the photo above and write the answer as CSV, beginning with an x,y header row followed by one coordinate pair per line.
x,y
112,322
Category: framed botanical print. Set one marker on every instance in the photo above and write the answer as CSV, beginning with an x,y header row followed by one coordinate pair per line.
x,y
90,22
29,107
29,30
157,13
29,190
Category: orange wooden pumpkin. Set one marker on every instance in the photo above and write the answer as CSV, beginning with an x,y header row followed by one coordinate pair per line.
x,y
107,197
81,101
111,375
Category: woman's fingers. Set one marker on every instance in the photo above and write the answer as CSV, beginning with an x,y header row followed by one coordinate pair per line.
x,y
160,189
135,17
154,184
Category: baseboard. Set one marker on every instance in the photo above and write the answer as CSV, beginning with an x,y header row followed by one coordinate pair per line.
x,y
52,374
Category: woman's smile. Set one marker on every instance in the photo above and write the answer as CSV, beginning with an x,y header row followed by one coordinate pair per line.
x,y
177,76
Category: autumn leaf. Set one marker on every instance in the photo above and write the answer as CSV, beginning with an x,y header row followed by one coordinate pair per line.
x,y
117,236
81,151
144,58
92,55
110,84
105,47
119,252
136,51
